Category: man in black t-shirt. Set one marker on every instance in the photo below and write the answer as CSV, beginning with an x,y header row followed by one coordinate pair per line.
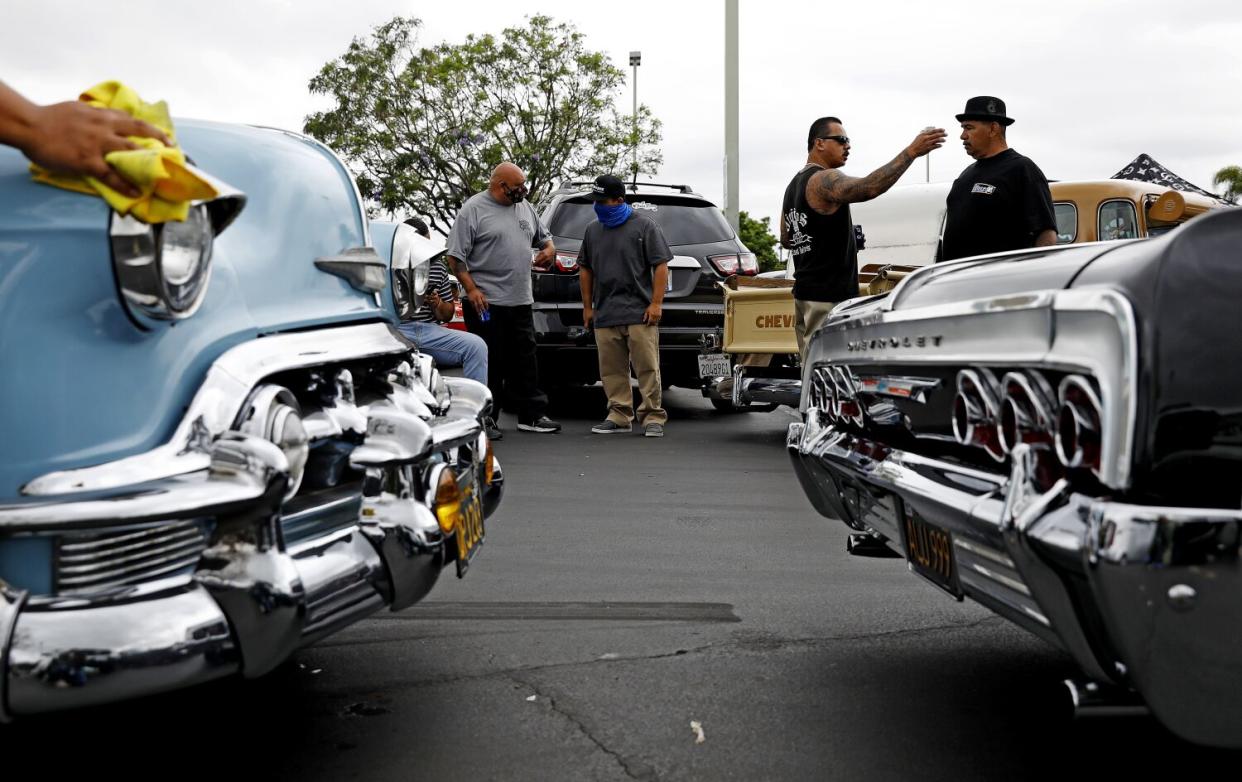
x,y
816,226
1002,201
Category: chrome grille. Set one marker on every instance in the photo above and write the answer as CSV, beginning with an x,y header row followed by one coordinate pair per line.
x,y
97,561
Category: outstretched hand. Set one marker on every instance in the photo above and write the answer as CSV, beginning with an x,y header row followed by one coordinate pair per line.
x,y
926,141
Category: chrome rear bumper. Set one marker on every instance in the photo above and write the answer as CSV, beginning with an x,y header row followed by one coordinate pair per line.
x,y
1142,596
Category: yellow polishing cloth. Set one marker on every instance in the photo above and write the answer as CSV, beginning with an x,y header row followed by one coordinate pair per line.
x,y
160,172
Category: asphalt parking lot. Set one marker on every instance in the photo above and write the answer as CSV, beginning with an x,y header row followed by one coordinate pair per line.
x,y
642,609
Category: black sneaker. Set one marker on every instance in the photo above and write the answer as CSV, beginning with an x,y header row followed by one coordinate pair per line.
x,y
653,430
493,431
608,426
541,424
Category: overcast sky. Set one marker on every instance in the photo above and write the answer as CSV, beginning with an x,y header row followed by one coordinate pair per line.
x,y
1092,83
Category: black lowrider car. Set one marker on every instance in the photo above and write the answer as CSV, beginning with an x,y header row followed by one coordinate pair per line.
x,y
1057,434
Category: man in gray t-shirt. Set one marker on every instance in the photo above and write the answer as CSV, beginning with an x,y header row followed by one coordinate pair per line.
x,y
624,272
489,250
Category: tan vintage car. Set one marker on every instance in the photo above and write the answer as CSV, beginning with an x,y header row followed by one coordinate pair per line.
x,y
759,367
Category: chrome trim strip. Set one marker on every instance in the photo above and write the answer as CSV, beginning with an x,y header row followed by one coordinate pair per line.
x,y
1006,581
241,470
218,401
985,553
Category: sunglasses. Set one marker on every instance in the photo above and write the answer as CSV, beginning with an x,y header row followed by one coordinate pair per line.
x,y
842,140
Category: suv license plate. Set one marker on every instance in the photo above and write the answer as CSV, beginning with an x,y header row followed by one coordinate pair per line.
x,y
929,550
470,534
715,365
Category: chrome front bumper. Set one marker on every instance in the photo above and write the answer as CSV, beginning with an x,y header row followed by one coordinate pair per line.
x,y
250,598
250,603
1142,596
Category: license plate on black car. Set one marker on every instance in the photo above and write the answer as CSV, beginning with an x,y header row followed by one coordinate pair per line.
x,y
929,550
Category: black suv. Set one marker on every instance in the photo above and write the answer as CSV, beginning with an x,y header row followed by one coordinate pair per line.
x,y
705,251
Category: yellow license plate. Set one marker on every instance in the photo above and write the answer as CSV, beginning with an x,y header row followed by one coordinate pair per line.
x,y
470,533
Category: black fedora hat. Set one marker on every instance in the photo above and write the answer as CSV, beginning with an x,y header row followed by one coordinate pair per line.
x,y
986,108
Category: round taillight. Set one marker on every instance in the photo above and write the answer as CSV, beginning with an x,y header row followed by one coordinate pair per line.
x,y
1026,414
1078,424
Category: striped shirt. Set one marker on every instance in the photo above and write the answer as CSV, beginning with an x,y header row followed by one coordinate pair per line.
x,y
438,281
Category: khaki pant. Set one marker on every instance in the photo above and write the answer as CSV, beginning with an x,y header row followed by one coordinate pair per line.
x,y
620,346
808,315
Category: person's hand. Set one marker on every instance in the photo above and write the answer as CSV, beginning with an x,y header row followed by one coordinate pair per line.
x,y
652,314
477,300
588,317
544,258
926,141
73,137
439,308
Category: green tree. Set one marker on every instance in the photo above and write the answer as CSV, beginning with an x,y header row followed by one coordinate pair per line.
x,y
422,128
1231,178
758,238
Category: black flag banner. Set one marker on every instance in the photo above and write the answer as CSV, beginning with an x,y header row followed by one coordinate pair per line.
x,y
1144,169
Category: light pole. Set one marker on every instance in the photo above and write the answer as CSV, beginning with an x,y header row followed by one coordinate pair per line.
x,y
731,189
636,59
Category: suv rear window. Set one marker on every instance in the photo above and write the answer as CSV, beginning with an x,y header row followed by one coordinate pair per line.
x,y
683,221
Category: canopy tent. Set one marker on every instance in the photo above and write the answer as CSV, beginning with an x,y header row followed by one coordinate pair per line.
x,y
1144,169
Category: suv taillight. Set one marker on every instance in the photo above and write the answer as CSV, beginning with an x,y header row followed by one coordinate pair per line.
x,y
735,263
566,262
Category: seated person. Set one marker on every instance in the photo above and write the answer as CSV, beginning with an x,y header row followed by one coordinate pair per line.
x,y
447,347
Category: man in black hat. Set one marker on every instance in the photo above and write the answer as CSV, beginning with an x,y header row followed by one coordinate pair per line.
x,y
623,274
1002,201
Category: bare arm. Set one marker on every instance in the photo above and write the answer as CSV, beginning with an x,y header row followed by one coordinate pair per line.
x,y
71,137
475,296
659,279
585,286
1046,238
828,189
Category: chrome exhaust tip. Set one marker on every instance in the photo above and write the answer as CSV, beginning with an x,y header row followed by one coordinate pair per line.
x,y
1091,699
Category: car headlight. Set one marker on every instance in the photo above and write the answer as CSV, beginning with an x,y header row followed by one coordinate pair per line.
x,y
162,270
422,272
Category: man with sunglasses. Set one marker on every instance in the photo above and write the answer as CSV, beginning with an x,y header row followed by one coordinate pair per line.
x,y
489,250
816,226
1001,201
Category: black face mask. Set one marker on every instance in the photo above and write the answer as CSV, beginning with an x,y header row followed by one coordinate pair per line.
x,y
514,194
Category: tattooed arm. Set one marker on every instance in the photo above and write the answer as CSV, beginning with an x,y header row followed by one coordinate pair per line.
x,y
828,189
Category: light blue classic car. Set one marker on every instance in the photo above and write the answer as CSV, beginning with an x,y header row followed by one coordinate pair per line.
x,y
215,447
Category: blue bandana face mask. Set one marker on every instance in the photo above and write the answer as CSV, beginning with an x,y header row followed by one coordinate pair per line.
x,y
612,216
